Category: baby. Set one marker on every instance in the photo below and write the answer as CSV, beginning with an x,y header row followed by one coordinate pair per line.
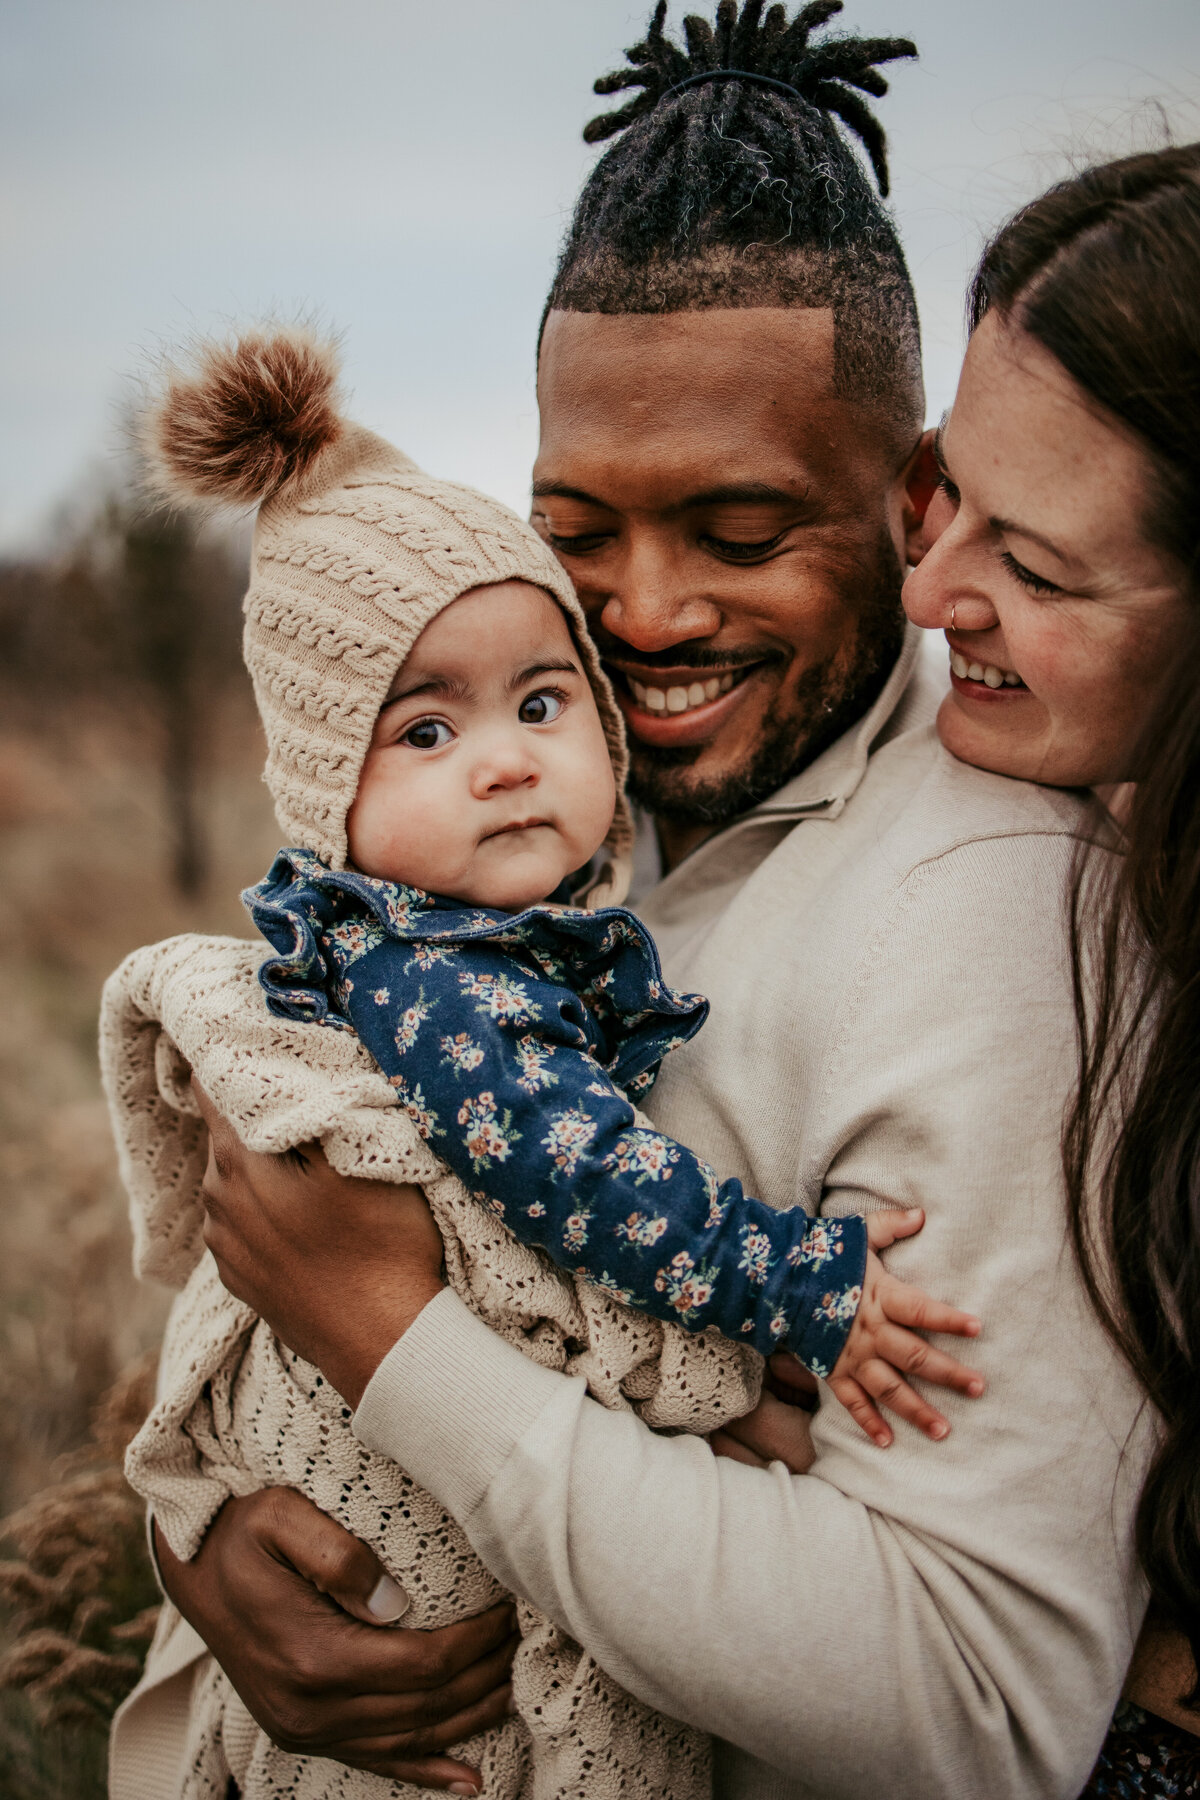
x,y
447,760
515,1026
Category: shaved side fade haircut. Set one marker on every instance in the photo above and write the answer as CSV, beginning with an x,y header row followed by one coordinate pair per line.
x,y
733,182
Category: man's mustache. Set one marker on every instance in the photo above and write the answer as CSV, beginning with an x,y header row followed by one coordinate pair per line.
x,y
682,656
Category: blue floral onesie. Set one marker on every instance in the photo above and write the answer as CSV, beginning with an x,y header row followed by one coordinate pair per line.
x,y
517,1043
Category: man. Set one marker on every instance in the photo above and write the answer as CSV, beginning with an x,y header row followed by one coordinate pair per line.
x,y
731,471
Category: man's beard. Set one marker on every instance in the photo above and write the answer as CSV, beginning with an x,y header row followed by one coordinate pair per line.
x,y
826,703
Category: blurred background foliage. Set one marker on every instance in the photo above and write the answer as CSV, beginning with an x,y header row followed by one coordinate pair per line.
x,y
131,807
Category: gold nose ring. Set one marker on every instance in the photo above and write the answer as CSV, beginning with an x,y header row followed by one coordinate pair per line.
x,y
953,610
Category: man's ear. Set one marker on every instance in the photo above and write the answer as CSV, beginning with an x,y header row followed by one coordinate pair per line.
x,y
920,485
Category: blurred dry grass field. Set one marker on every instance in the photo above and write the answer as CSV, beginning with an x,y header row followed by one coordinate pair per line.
x,y
91,867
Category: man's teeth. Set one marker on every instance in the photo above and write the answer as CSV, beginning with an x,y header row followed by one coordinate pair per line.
x,y
985,672
681,699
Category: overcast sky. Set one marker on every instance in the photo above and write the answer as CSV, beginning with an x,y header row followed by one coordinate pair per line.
x,y
404,169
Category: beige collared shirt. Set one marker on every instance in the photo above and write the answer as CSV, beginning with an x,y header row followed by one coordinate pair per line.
x,y
884,946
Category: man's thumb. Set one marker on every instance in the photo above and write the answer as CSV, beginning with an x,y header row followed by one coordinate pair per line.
x,y
334,1560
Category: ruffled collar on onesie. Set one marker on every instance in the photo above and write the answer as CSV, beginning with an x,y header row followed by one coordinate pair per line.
x,y
321,920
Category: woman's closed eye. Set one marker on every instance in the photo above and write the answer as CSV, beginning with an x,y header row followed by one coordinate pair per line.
x,y
543,706
428,734
1037,584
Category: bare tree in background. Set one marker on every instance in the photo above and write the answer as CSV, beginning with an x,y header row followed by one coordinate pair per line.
x,y
139,611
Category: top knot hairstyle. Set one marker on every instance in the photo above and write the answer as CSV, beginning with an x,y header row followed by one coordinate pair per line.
x,y
733,182
250,418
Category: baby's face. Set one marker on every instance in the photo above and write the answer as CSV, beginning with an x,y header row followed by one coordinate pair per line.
x,y
488,778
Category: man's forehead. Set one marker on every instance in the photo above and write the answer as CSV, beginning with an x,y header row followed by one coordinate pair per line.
x,y
692,399
696,347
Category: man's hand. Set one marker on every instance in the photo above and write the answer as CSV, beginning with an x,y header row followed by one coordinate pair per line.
x,y
339,1268
261,1592
780,1427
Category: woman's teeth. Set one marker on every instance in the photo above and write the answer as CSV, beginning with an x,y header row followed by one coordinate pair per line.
x,y
985,672
681,699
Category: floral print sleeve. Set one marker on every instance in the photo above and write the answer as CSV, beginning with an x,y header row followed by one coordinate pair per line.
x,y
514,1043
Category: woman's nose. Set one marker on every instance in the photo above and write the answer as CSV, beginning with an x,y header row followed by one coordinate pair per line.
x,y
947,590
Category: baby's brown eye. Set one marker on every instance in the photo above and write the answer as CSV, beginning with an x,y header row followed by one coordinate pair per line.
x,y
540,708
427,734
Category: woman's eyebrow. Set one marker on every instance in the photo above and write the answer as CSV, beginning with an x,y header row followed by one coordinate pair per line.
x,y
555,666
1013,528
939,448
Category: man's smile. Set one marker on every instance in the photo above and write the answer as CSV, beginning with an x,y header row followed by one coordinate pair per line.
x,y
682,705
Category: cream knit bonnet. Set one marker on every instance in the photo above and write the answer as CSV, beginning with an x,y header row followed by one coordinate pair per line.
x,y
355,550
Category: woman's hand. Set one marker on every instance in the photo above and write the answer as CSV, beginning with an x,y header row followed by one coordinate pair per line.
x,y
339,1268
261,1592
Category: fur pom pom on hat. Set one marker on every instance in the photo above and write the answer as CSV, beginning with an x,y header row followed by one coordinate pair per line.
x,y
355,551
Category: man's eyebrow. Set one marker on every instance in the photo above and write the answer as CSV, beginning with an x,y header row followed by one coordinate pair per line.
x,y
742,493
559,665
558,490
725,493
436,687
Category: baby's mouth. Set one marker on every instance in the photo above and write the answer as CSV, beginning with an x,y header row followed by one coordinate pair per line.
x,y
517,825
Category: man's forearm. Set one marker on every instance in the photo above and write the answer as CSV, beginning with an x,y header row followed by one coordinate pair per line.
x,y
712,1591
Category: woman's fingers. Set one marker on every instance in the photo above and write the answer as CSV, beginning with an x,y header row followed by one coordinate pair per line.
x,y
862,1409
885,1227
906,1305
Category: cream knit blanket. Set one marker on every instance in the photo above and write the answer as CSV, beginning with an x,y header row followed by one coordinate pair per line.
x,y
239,1412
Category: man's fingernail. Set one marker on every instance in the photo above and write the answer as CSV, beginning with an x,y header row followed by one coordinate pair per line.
x,y
462,1787
387,1603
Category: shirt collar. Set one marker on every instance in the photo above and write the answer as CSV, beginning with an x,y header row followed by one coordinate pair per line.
x,y
826,784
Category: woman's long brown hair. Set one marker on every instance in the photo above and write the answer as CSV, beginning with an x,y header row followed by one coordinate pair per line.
x,y
1104,272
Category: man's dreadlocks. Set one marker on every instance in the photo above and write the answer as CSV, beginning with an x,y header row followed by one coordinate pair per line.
x,y
730,184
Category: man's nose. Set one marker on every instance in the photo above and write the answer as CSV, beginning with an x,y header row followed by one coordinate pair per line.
x,y
506,762
652,604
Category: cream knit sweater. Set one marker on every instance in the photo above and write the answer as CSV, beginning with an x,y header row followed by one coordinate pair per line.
x,y
239,1412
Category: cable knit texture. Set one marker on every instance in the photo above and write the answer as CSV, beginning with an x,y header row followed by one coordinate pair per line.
x,y
355,551
239,1412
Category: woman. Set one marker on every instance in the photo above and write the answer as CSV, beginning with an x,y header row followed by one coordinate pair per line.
x,y
1063,570
1085,358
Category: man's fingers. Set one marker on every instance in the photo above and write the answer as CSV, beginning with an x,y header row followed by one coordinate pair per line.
x,y
883,1228
916,1357
862,1410
791,1382
429,1663
416,1717
337,1563
722,1444
909,1306
395,1758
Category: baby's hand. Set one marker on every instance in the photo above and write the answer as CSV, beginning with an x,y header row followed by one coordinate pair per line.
x,y
883,1342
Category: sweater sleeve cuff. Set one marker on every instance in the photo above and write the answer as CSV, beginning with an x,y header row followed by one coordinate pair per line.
x,y
450,1401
